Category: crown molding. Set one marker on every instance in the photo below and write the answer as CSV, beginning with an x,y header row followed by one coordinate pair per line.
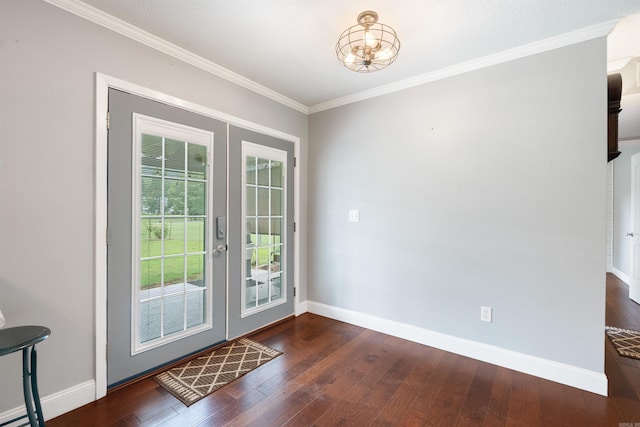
x,y
562,40
123,28
103,19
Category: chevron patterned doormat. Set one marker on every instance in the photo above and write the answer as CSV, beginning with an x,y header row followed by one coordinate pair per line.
x,y
626,341
197,378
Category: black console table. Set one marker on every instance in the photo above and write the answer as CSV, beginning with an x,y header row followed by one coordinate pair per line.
x,y
25,338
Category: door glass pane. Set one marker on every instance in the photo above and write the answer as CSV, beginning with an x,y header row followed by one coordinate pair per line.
x,y
276,174
263,231
173,314
150,274
150,312
262,263
197,163
251,170
196,234
173,274
264,219
276,231
173,232
250,294
196,199
196,308
263,201
276,202
150,237
172,237
151,154
251,200
195,271
263,171
276,288
151,195
174,154
174,197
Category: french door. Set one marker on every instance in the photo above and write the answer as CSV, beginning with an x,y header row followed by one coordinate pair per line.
x,y
261,221
188,265
166,281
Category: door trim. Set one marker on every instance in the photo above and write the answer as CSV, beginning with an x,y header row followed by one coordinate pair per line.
x,y
634,283
103,84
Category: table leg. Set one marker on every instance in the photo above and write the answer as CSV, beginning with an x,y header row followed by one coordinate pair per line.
x,y
26,386
34,385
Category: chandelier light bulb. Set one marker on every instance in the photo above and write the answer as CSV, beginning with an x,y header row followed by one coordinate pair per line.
x,y
370,39
383,55
349,60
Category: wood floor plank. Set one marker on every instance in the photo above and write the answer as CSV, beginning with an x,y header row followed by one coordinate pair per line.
x,y
308,415
500,397
575,409
632,371
210,407
476,405
281,410
333,373
601,410
524,401
628,409
317,384
434,379
231,411
365,399
406,388
551,403
451,398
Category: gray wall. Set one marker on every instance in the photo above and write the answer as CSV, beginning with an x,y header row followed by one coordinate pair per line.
x,y
622,205
488,188
48,58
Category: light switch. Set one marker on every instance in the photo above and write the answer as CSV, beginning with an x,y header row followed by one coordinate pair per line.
x,y
354,215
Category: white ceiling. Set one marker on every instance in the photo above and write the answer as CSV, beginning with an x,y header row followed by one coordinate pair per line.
x,y
288,46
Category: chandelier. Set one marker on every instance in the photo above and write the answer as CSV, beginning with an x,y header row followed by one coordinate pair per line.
x,y
368,46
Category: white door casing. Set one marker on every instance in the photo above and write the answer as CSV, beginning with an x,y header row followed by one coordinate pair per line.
x,y
103,84
634,233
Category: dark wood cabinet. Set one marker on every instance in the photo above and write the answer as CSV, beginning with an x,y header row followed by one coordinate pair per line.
x,y
614,93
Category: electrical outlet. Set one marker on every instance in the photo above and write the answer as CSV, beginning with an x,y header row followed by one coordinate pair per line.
x,y
354,215
485,314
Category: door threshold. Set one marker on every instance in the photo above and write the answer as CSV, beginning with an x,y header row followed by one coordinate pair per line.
x,y
161,368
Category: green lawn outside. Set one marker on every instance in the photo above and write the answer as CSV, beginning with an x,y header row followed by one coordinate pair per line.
x,y
174,244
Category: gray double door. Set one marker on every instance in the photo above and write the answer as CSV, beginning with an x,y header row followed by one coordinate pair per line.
x,y
200,233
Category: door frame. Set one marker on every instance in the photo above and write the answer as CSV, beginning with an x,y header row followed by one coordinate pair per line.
x,y
634,284
103,83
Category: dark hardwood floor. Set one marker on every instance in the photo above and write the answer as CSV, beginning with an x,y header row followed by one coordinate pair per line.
x,y
333,373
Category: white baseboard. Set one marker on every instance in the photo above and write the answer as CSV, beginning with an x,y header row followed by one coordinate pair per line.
x,y
595,382
620,275
58,403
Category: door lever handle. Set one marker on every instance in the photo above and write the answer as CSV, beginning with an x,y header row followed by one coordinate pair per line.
x,y
220,249
630,234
